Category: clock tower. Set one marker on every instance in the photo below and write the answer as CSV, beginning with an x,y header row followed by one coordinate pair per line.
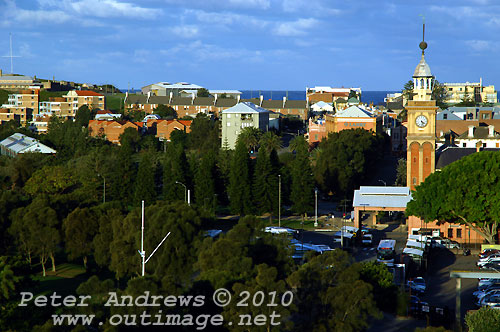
x,y
421,134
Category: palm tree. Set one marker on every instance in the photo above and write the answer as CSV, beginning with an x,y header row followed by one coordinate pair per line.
x,y
298,143
270,141
250,136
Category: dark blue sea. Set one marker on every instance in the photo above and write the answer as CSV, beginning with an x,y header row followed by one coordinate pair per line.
x,y
377,97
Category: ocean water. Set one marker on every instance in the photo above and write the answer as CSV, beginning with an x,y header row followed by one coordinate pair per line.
x,y
377,97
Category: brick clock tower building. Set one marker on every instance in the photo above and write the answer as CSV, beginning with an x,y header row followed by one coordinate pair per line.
x,y
421,150
421,137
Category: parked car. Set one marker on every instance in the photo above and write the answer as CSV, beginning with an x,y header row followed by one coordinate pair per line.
x,y
493,265
487,252
417,284
482,295
485,282
491,258
367,239
490,300
483,288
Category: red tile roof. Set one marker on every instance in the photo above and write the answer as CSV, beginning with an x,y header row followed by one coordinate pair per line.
x,y
88,93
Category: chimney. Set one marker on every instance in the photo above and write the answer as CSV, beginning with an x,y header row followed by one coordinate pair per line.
x,y
441,133
478,146
170,97
491,131
192,98
284,101
261,99
238,99
126,97
215,98
471,131
149,96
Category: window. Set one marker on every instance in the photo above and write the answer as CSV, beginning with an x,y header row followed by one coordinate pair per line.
x,y
414,180
229,124
464,145
484,145
414,159
459,233
497,145
450,233
426,160
229,116
445,116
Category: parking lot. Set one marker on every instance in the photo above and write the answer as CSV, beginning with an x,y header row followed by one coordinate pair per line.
x,y
441,289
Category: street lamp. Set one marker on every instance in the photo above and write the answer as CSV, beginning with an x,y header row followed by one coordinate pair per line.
x,y
186,192
316,207
279,200
385,184
103,188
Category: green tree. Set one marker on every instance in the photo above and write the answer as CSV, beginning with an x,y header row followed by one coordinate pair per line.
x,y
204,182
102,240
129,140
250,136
461,193
7,280
270,141
145,187
265,183
467,99
240,180
80,227
83,116
401,173
50,180
439,94
330,295
175,169
203,93
298,143
165,111
302,190
204,133
483,320
384,289
408,90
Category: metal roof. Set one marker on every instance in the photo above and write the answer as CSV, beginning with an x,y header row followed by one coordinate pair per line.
x,y
423,69
19,143
15,78
225,91
354,112
245,107
383,196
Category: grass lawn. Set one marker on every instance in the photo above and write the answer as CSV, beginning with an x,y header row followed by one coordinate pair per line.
x,y
67,279
114,102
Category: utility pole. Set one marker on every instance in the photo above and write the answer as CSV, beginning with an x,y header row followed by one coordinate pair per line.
x,y
279,200
142,252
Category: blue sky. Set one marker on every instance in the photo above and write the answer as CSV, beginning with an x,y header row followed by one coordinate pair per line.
x,y
251,44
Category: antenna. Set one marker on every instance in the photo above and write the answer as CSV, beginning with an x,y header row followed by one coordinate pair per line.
x,y
423,44
11,56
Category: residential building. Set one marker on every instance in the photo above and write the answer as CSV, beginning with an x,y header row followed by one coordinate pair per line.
x,y
111,130
19,143
242,115
165,127
92,99
476,90
18,82
58,106
18,114
317,130
321,106
165,88
21,105
107,115
40,123
329,94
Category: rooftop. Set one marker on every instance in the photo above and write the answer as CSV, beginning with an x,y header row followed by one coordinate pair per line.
x,y
245,107
386,196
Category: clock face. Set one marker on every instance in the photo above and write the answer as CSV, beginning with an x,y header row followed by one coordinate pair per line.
x,y
421,121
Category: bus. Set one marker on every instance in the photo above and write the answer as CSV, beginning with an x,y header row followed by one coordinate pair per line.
x,y
386,251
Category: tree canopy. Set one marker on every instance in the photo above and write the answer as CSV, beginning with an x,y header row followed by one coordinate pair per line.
x,y
465,192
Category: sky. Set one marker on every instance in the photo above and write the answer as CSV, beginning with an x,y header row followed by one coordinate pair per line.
x,y
251,44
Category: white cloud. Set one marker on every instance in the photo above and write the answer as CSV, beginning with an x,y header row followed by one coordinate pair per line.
x,y
185,31
295,28
86,13
315,7
213,4
226,18
481,46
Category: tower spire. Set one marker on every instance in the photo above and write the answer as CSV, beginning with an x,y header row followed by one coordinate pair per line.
x,y
423,44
